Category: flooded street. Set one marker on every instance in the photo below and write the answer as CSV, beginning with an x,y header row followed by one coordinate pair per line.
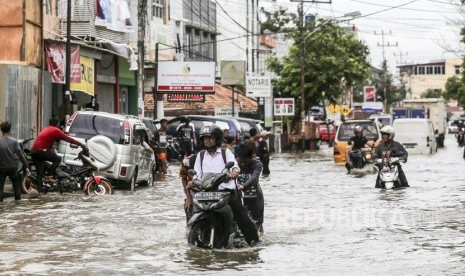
x,y
317,220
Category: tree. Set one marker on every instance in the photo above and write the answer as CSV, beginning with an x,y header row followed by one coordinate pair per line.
x,y
455,90
334,59
432,93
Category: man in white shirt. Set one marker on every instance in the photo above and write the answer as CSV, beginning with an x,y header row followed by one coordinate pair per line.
x,y
214,162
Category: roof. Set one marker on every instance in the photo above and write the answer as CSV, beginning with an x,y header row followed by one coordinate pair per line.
x,y
221,98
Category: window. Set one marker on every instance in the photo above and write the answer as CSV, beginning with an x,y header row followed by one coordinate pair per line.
x,y
89,125
429,70
421,70
158,9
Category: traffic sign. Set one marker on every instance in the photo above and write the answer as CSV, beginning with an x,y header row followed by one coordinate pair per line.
x,y
334,108
345,110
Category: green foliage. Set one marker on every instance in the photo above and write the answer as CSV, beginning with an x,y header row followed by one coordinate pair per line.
x,y
432,93
333,60
455,90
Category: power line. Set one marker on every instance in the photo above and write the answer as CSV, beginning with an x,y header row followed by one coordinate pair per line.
x,y
401,5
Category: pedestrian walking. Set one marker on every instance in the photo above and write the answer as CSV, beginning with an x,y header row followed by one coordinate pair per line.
x,y
9,151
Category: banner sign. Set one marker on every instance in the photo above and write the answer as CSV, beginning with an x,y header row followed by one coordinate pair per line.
x,y
284,107
226,111
114,15
369,93
186,76
233,73
186,97
258,87
372,107
87,77
55,57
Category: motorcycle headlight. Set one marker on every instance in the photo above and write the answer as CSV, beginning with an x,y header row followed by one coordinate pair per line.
x,y
368,156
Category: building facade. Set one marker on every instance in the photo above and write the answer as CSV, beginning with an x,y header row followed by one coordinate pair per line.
x,y
432,75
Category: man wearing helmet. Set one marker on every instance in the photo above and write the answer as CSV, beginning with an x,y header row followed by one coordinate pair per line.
x,y
355,144
390,148
213,160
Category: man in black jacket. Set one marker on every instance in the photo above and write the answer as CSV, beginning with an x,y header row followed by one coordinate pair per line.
x,y
247,182
390,148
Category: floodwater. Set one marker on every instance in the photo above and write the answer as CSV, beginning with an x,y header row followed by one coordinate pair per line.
x,y
318,220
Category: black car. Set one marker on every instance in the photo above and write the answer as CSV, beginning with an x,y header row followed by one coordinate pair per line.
x,y
235,130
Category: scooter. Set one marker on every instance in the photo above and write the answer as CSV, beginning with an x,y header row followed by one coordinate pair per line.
x,y
208,226
389,173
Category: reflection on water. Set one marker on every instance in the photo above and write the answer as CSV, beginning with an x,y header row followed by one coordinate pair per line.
x,y
318,220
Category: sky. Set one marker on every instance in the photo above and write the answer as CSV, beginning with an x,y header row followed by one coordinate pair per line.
x,y
417,30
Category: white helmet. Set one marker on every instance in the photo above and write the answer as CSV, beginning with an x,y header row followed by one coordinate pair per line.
x,y
389,130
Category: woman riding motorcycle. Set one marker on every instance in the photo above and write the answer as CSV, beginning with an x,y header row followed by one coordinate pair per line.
x,y
390,148
356,143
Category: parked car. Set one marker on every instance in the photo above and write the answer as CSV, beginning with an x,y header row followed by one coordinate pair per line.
x,y
416,135
150,124
201,120
346,130
122,134
247,124
323,130
452,127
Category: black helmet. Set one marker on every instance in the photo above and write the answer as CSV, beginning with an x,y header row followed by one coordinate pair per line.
x,y
212,131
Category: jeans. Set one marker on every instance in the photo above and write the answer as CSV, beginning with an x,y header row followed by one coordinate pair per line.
x,y
39,158
15,179
256,207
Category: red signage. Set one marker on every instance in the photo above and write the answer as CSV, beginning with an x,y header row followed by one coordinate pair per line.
x,y
186,97
369,93
55,56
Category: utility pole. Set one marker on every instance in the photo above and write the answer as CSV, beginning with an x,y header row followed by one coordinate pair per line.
x,y
400,54
67,94
383,45
302,63
142,12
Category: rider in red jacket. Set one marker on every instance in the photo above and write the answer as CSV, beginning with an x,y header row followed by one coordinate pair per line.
x,y
42,149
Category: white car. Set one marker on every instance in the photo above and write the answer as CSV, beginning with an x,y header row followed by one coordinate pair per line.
x,y
452,127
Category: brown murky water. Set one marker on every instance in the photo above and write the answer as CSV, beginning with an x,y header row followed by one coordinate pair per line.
x,y
318,220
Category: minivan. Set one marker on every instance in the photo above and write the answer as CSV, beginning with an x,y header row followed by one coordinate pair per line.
x,y
200,121
247,124
346,130
416,135
124,136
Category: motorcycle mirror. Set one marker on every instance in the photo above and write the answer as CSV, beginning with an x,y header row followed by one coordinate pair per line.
x,y
191,172
229,165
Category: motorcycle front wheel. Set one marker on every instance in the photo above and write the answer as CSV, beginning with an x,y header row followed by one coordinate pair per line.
x,y
103,188
200,235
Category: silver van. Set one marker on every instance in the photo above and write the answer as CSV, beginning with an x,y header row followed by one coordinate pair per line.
x,y
121,134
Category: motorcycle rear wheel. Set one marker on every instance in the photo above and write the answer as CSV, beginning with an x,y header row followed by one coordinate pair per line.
x,y
103,188
200,235
28,185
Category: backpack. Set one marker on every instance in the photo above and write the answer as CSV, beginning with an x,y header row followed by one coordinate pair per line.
x,y
202,154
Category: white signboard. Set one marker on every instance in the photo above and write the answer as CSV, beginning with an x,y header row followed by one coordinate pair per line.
x,y
186,76
225,111
284,107
258,87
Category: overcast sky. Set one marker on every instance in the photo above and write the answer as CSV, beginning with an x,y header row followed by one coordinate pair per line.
x,y
424,30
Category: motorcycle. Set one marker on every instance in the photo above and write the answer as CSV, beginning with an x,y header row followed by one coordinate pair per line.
x,y
389,173
173,150
212,213
69,178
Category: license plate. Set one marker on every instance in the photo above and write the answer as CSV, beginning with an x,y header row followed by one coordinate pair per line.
x,y
409,146
208,195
